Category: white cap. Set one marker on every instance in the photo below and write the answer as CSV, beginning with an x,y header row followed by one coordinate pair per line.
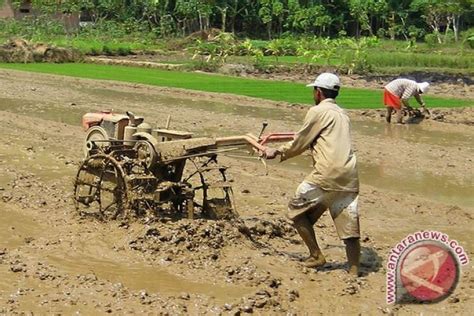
x,y
423,87
326,80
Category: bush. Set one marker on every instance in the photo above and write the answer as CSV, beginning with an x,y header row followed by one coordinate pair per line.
x,y
415,32
468,37
40,28
381,59
449,37
208,66
216,50
431,39
470,40
381,33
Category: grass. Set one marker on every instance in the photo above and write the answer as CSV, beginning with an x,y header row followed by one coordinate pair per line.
x,y
453,57
421,60
350,98
415,61
383,62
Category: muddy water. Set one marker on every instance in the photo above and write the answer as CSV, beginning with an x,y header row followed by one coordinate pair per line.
x,y
383,176
51,112
202,105
414,133
434,187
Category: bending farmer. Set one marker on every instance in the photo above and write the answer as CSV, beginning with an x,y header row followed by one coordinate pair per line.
x,y
333,183
397,93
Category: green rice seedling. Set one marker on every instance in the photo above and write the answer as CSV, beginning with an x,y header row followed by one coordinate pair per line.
x,y
351,98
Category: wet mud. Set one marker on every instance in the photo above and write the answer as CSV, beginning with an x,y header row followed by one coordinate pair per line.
x,y
52,261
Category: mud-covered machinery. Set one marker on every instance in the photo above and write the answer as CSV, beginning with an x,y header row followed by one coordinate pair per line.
x,y
131,169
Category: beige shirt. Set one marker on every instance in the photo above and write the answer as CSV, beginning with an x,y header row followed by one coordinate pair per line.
x,y
326,132
403,88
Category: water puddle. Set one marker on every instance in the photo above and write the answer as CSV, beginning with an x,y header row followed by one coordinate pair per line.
x,y
434,187
141,277
414,133
439,188
202,105
50,112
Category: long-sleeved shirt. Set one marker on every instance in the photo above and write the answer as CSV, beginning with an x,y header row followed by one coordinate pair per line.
x,y
326,133
403,88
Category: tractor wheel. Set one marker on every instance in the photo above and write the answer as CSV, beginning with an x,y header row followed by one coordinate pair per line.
x,y
146,153
100,189
95,133
212,192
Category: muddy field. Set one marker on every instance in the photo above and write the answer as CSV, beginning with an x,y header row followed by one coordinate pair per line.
x,y
414,177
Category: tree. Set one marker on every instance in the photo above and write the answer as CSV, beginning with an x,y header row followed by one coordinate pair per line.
x,y
307,19
271,10
362,10
222,7
455,9
435,13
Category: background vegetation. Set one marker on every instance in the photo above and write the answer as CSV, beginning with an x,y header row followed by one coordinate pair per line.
x,y
354,36
272,18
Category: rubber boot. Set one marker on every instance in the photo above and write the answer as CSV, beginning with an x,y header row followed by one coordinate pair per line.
x,y
353,255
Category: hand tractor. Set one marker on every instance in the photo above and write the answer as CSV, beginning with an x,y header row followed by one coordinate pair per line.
x,y
131,169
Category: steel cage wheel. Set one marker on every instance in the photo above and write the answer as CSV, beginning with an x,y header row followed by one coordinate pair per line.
x,y
213,193
100,188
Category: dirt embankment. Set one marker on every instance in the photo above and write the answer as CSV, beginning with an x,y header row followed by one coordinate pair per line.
x,y
21,51
53,261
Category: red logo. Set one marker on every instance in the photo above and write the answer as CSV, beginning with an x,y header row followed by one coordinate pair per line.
x,y
429,272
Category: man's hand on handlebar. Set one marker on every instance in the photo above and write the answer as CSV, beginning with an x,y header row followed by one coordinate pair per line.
x,y
271,153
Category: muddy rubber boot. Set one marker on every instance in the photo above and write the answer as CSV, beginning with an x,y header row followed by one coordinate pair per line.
x,y
353,255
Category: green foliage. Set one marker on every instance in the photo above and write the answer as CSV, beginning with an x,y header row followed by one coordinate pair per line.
x,y
250,48
267,18
356,58
470,40
468,37
431,39
123,27
420,60
216,50
104,37
281,47
306,19
32,28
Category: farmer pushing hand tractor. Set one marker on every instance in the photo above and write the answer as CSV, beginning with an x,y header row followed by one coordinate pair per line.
x,y
334,183
397,93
